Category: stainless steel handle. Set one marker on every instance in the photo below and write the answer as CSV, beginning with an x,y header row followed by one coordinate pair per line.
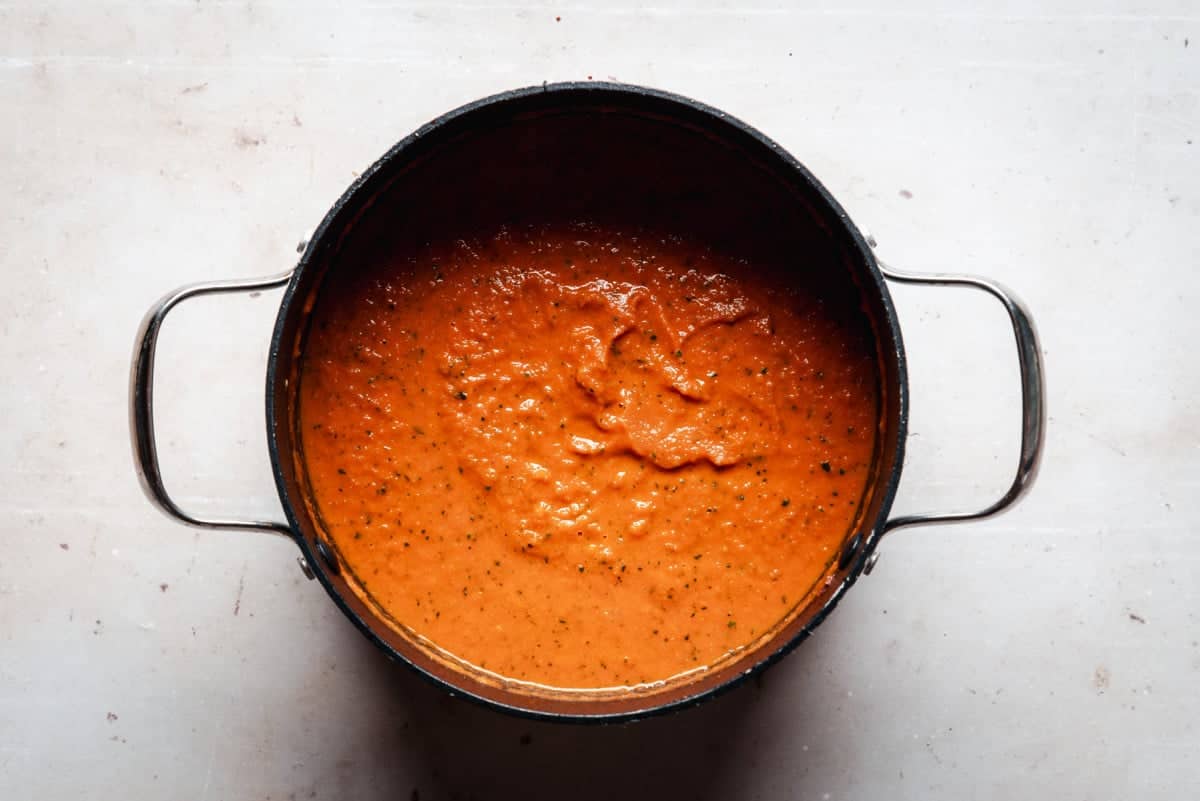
x,y
141,401
1033,404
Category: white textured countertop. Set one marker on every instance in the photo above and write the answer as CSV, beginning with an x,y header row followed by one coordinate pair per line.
x,y
1051,653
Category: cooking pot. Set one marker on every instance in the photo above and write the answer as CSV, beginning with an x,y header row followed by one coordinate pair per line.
x,y
576,146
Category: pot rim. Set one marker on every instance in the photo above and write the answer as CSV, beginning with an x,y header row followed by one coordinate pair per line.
x,y
886,485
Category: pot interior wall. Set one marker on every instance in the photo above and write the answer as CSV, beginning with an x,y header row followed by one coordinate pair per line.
x,y
608,155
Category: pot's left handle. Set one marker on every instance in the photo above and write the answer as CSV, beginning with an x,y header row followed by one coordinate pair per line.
x,y
141,401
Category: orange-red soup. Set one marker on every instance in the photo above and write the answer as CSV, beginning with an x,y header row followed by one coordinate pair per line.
x,y
582,456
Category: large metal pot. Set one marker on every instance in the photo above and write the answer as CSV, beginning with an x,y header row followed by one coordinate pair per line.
x,y
534,143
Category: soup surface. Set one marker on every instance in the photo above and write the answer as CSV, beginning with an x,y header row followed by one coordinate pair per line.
x,y
581,455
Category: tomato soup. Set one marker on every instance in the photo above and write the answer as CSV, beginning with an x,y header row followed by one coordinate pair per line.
x,y
582,455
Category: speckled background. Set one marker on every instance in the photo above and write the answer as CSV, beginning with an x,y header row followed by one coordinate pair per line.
x,y
1051,653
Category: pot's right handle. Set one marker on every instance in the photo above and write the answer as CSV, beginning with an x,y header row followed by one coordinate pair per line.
x,y
1033,404
141,402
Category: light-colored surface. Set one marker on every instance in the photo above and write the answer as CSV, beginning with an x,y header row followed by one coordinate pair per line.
x,y
1053,653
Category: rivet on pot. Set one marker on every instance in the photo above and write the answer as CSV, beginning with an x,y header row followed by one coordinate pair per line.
x,y
327,557
305,569
870,565
849,551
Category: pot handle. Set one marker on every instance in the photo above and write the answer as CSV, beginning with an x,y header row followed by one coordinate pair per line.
x,y
1033,403
141,401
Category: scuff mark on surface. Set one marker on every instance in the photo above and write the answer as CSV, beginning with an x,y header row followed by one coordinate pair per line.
x,y
237,602
246,140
